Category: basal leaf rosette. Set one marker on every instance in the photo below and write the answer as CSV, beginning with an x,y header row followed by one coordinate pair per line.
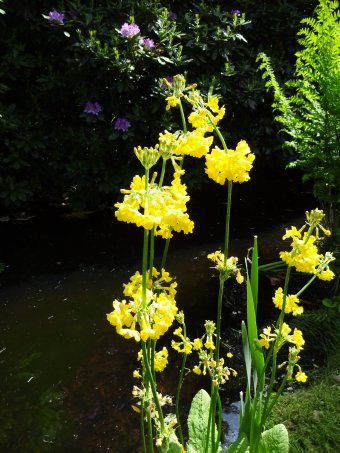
x,y
231,165
139,319
163,208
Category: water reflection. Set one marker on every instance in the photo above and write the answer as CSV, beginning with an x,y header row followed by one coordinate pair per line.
x,y
66,377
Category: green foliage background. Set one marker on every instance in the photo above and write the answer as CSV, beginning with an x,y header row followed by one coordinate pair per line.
x,y
53,153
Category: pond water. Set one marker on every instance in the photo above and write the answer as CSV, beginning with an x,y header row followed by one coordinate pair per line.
x,y
66,377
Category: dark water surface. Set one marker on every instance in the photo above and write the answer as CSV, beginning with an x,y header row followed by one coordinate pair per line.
x,y
66,377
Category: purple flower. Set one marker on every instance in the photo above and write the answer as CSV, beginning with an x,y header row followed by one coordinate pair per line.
x,y
92,107
122,124
235,11
147,42
55,16
172,15
129,30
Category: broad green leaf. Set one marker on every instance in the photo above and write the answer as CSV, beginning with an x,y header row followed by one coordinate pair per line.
x,y
274,440
246,352
241,445
174,445
198,423
255,350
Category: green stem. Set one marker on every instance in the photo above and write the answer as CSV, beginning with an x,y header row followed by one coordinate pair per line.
x,y
266,414
178,393
165,253
227,222
211,417
145,243
218,320
150,431
161,178
219,426
152,383
142,431
306,286
184,124
152,252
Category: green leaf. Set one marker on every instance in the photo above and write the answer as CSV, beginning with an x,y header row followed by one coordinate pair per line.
x,y
274,440
241,445
198,423
173,447
254,273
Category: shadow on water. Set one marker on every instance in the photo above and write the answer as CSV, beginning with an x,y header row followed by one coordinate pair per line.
x,y
66,377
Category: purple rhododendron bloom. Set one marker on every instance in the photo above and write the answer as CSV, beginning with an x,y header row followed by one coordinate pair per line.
x,y
56,16
147,42
129,30
172,15
235,11
92,107
122,124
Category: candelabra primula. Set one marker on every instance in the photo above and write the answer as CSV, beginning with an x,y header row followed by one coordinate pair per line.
x,y
149,309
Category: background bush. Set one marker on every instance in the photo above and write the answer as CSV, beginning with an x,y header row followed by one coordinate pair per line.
x,y
54,153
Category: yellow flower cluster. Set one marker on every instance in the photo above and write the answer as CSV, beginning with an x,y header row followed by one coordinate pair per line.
x,y
217,371
227,268
292,302
231,165
190,143
151,318
185,346
295,338
205,115
193,144
160,361
268,336
304,254
161,207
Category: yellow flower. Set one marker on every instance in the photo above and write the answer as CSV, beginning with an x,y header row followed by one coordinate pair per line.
x,y
285,331
172,101
301,376
239,277
197,344
162,207
136,374
161,359
143,319
266,337
185,345
326,275
230,355
227,268
297,339
304,255
231,165
193,144
291,302
197,370
209,344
